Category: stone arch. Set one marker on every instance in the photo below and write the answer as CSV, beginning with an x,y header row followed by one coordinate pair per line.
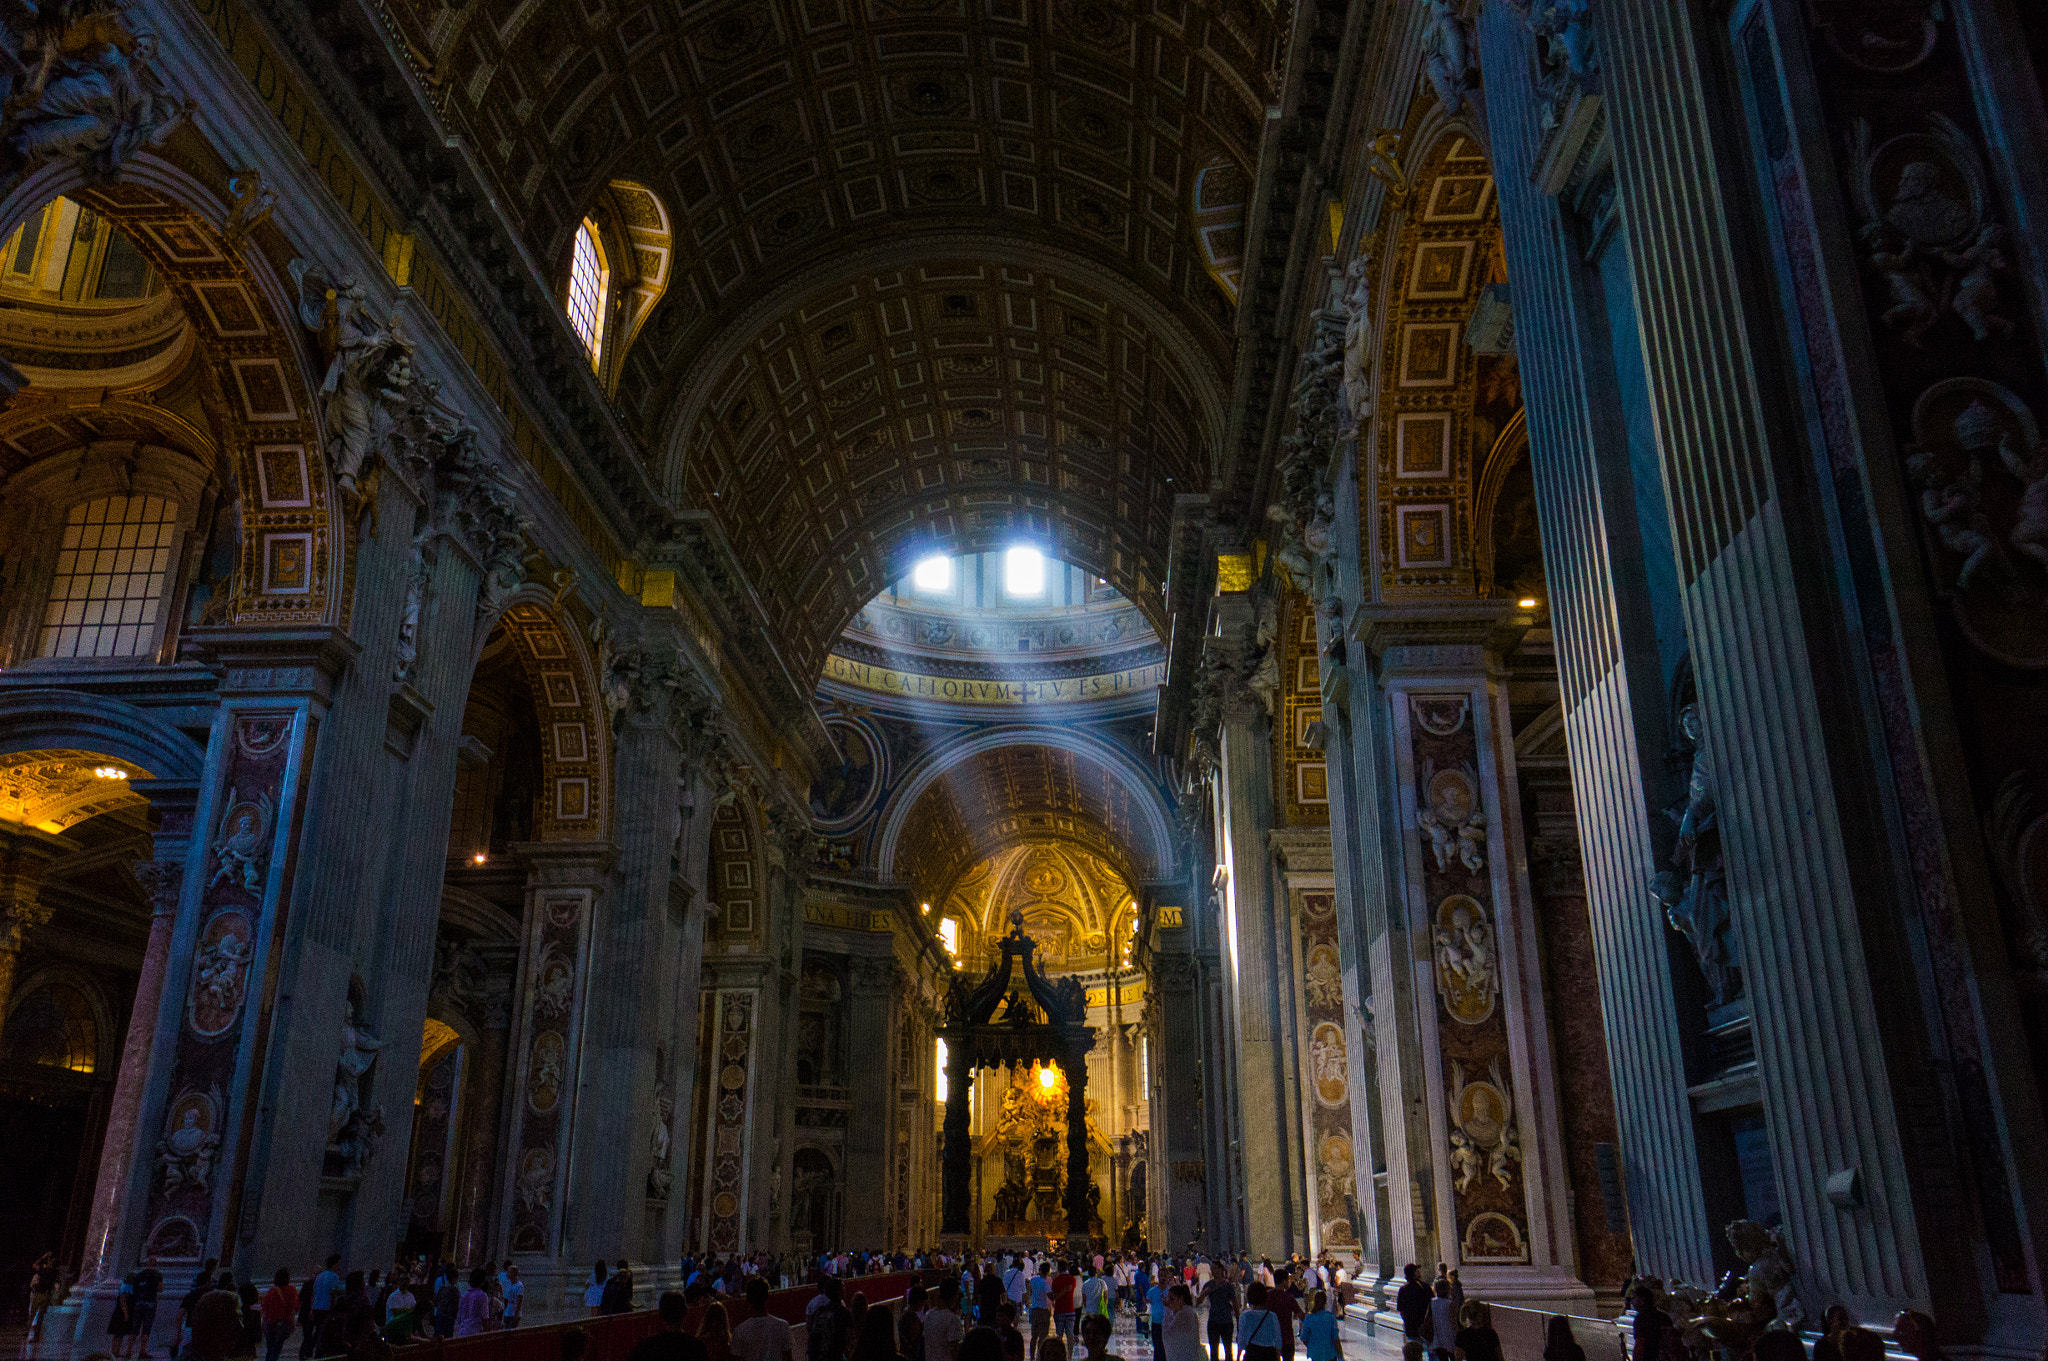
x,y
40,720
575,737
1157,826
738,879
645,234
106,1035
293,562
1440,407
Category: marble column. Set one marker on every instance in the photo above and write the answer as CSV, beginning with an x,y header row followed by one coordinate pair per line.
x,y
956,1216
162,879
484,1126
1075,1066
871,1128
1483,1073
635,944
1259,962
1177,1181
565,885
24,854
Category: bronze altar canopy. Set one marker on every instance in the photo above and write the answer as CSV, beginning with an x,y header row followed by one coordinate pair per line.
x,y
1054,1030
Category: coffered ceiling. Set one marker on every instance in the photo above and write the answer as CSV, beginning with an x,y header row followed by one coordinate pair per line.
x,y
937,272
1019,794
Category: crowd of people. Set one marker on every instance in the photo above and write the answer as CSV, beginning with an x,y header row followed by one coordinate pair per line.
x,y
1021,1307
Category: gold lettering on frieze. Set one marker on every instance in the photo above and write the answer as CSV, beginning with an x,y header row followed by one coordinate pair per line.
x,y
839,917
957,690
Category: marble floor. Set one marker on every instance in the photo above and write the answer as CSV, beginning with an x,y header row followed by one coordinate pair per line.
x,y
1127,1343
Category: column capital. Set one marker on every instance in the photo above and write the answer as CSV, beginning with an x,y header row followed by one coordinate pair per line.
x,y
566,864
291,662
1449,636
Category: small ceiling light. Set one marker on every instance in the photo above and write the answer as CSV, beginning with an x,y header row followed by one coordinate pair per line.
x,y
480,857
926,906
1528,602
110,772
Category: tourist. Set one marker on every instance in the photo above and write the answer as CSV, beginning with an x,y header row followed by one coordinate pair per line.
x,y
910,1328
979,1344
828,1323
318,1302
1443,1321
213,1317
1476,1340
763,1336
1052,1349
1411,1301
1095,1332
671,1343
1319,1330
473,1311
874,1339
1181,1334
715,1332
1457,1291
1833,1320
1285,1301
593,1289
1007,1331
121,1322
575,1344
279,1310
945,1332
1040,1287
1220,1294
514,1292
989,1296
1559,1344
1258,1327
1095,1294
1860,1344
1916,1335
1778,1344
1155,1313
1654,1337
1066,1302
617,1296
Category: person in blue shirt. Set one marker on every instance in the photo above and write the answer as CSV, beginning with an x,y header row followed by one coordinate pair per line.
x,y
1319,1330
1041,1308
1155,1303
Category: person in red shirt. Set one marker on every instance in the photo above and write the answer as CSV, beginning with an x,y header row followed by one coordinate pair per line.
x,y
280,1312
1066,1303
1283,1301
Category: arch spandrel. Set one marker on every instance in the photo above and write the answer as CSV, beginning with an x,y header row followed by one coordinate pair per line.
x,y
575,801
293,565
1441,406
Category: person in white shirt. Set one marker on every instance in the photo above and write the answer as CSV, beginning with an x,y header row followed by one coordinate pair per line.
x,y
397,1302
763,1337
943,1327
1015,1282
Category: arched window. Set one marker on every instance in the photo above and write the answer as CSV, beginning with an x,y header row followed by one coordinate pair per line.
x,y
53,1026
588,277
113,570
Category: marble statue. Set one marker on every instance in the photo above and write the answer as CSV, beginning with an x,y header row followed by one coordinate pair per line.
x,y
352,1130
1956,510
1975,296
1694,892
364,384
660,1177
82,85
1447,53
187,1150
2030,534
242,849
1357,305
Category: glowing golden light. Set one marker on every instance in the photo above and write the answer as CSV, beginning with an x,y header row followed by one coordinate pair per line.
x,y
110,772
1047,1078
479,857
1528,602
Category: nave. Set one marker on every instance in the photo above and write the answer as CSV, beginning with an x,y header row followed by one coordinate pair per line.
x,y
1384,633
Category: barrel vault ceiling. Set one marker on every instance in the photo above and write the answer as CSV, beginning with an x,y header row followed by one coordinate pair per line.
x,y
941,280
